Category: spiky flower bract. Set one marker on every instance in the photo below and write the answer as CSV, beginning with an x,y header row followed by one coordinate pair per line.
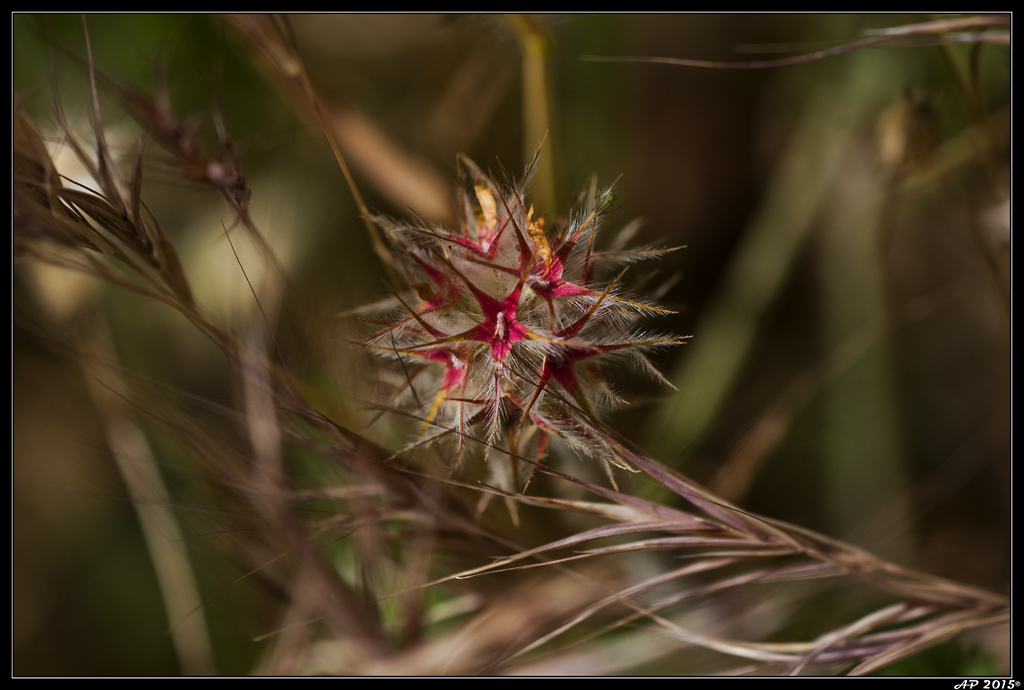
x,y
505,325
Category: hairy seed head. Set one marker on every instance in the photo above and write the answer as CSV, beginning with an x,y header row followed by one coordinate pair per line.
x,y
504,327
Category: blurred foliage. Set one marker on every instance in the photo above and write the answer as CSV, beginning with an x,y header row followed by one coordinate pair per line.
x,y
948,659
868,394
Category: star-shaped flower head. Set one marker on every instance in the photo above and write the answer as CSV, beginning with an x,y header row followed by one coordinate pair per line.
x,y
504,326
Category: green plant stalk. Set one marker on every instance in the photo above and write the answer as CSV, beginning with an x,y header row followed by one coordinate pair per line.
x,y
764,258
863,461
535,46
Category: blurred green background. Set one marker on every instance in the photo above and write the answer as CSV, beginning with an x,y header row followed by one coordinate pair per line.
x,y
844,275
